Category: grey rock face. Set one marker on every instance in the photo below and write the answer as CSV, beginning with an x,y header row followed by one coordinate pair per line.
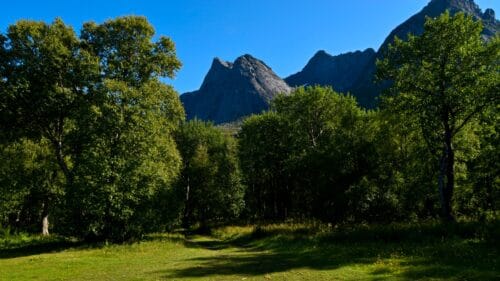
x,y
354,72
367,91
340,71
233,90
415,24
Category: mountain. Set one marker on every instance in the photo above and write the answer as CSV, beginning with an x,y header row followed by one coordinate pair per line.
x,y
415,24
367,91
231,91
340,71
355,72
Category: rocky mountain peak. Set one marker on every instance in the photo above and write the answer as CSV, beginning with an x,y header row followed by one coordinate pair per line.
x,y
415,25
468,6
249,66
339,71
321,54
233,90
217,62
247,58
319,57
489,15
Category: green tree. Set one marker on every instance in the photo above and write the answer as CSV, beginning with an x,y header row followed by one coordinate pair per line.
x,y
44,81
404,170
99,103
330,148
445,78
481,196
210,181
129,157
127,52
264,149
307,156
31,185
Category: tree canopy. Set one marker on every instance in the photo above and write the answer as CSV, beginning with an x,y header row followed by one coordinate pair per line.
x,y
210,180
94,144
98,102
444,78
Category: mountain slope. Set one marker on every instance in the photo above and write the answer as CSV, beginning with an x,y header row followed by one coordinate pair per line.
x,y
233,90
415,24
367,91
340,71
355,72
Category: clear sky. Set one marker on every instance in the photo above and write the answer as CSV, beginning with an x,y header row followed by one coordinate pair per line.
x,y
284,34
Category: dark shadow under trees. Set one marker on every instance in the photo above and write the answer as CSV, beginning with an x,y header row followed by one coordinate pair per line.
x,y
423,255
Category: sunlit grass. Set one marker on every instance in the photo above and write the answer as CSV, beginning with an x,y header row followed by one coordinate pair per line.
x,y
290,251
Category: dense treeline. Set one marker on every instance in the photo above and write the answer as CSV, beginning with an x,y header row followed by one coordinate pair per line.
x,y
89,124
317,154
94,145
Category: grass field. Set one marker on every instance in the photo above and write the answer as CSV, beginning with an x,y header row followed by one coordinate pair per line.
x,y
274,252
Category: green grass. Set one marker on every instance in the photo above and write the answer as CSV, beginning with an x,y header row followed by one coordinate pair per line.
x,y
272,252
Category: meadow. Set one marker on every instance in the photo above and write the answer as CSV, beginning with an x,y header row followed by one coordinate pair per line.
x,y
429,251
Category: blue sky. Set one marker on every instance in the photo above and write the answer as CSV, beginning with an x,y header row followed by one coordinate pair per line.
x,y
284,34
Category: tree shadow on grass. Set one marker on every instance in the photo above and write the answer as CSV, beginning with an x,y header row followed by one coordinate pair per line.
x,y
39,247
459,261
55,244
243,262
448,259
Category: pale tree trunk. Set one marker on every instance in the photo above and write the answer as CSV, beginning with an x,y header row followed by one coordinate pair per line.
x,y
187,210
45,220
45,225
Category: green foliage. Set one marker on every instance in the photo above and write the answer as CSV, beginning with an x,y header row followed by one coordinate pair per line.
x,y
330,148
126,51
99,105
404,173
130,156
447,71
45,75
91,136
29,182
264,148
444,79
310,156
210,182
479,193
45,80
131,159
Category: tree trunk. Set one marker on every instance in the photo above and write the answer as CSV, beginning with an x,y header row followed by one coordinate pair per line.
x,y
58,147
442,174
275,204
187,211
45,220
450,178
61,162
447,171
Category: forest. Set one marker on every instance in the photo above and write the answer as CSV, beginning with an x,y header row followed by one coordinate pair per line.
x,y
95,145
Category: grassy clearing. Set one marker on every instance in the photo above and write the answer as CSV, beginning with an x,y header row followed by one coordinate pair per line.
x,y
273,252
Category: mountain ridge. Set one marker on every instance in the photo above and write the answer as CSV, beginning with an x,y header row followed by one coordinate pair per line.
x,y
336,71
368,91
233,90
